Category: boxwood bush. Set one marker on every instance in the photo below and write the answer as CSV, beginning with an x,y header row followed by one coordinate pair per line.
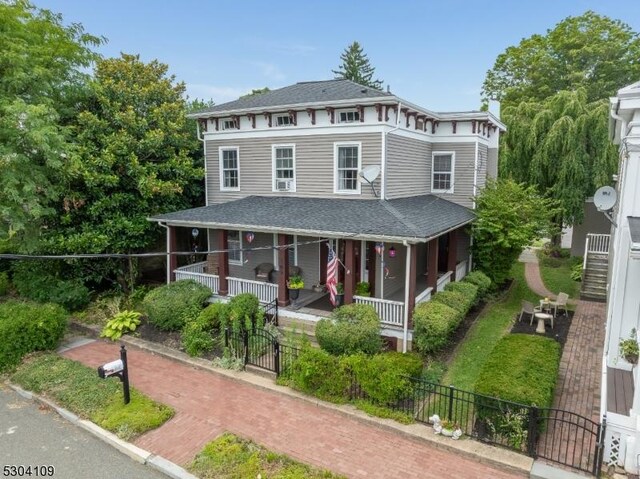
x,y
243,312
481,280
433,323
27,327
468,290
351,329
320,374
168,305
198,334
4,283
453,299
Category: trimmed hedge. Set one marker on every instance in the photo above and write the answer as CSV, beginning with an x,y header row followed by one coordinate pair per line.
x,y
4,283
320,374
453,299
433,322
198,333
38,284
468,290
168,305
351,329
521,368
243,313
481,280
27,327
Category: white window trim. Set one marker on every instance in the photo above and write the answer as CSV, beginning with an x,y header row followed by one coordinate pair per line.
x,y
222,124
221,166
275,120
453,170
351,110
273,168
241,261
336,146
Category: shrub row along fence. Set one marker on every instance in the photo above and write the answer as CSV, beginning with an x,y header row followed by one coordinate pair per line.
x,y
552,434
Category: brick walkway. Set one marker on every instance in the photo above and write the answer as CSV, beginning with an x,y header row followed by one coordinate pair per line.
x,y
207,404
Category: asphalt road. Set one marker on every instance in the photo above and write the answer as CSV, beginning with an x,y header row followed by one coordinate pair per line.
x,y
33,436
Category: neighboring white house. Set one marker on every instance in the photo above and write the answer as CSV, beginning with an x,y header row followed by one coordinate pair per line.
x,y
620,391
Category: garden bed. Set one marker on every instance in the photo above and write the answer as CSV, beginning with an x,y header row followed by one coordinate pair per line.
x,y
560,331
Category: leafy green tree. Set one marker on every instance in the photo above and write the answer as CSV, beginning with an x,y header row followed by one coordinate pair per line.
x,y
561,146
510,217
357,68
133,144
590,51
42,64
257,91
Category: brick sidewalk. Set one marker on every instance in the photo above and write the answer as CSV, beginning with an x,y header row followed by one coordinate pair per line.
x,y
207,404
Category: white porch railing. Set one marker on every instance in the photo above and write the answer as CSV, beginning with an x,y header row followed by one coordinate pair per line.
x,y
266,292
424,296
461,270
193,268
390,312
597,243
211,281
443,281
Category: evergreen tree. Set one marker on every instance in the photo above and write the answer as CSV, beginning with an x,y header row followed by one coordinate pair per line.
x,y
357,68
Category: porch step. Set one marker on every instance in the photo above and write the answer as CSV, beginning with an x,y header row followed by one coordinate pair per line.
x,y
541,470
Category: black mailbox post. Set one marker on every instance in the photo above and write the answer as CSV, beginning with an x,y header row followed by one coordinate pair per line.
x,y
118,368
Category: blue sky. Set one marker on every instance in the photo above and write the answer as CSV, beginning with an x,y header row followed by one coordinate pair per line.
x,y
434,54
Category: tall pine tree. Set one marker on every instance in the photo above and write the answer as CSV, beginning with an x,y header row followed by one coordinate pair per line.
x,y
356,67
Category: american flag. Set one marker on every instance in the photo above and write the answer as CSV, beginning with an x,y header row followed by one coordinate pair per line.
x,y
332,275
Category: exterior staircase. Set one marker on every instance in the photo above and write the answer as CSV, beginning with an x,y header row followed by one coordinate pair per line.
x,y
595,266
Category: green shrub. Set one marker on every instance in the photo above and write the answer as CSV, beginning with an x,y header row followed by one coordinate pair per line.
x,y
243,313
198,334
166,306
384,412
363,288
481,280
576,272
122,323
468,290
4,283
37,283
433,322
320,374
385,377
351,329
453,299
27,327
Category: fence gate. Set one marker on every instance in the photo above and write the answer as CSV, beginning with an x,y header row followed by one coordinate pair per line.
x,y
257,347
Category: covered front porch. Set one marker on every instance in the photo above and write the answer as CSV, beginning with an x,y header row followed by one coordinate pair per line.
x,y
414,248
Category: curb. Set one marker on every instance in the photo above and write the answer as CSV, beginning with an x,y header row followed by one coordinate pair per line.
x,y
495,457
132,451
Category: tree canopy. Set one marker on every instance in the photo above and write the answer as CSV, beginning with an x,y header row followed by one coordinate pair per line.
x,y
256,91
357,67
590,51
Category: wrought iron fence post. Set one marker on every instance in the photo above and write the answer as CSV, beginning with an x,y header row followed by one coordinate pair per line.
x,y
450,412
276,304
532,434
245,340
276,356
599,452
226,337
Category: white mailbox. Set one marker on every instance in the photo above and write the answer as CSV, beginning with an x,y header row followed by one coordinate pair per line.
x,y
111,369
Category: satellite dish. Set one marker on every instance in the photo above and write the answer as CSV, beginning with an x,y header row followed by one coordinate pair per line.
x,y
369,173
605,198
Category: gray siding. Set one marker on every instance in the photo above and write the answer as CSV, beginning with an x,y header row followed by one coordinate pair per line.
x,y
314,160
309,261
396,279
464,245
492,163
408,167
594,222
464,171
483,165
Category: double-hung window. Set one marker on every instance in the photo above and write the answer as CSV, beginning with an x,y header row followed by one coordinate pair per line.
x,y
284,167
283,120
442,171
234,245
347,166
350,116
229,169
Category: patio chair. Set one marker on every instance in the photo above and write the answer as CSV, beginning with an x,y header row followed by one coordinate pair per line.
x,y
560,303
263,272
530,309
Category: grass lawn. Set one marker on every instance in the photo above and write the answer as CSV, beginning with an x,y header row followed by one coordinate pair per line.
x,y
231,457
79,389
492,325
556,274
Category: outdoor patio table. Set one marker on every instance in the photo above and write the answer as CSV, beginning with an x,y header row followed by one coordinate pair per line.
x,y
541,317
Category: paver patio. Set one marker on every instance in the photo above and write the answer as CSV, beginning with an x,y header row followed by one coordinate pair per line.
x,y
207,404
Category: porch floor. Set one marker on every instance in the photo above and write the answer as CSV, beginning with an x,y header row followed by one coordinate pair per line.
x,y
421,286
619,391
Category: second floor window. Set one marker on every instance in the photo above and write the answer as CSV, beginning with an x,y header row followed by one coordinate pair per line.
x,y
442,168
283,120
347,167
234,245
228,124
284,175
349,116
229,169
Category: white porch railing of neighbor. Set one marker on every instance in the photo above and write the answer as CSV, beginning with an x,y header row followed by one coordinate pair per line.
x,y
443,281
266,292
390,312
597,243
461,270
211,281
424,296
193,268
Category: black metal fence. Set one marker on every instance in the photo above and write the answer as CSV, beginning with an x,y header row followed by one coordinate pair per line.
x,y
556,435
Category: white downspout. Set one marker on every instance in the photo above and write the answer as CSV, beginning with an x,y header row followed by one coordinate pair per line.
x,y
407,282
168,252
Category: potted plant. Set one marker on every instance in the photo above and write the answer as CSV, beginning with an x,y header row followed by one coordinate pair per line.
x,y
445,427
339,294
295,284
629,348
363,288
318,287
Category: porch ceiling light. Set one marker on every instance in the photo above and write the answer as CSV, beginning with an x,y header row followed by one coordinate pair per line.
x,y
392,252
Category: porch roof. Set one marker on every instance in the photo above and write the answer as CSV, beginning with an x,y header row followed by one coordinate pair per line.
x,y
415,219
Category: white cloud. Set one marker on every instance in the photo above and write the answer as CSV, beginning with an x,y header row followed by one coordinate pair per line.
x,y
219,94
270,71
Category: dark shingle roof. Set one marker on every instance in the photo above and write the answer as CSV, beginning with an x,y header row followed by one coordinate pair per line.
x,y
300,93
634,229
417,217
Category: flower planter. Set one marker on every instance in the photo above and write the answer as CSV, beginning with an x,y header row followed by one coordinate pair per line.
x,y
294,293
339,300
631,358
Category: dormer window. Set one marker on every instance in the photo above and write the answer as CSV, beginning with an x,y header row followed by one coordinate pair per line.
x,y
350,116
283,120
228,124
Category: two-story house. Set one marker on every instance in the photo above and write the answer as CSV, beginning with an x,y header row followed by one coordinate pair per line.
x,y
384,183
